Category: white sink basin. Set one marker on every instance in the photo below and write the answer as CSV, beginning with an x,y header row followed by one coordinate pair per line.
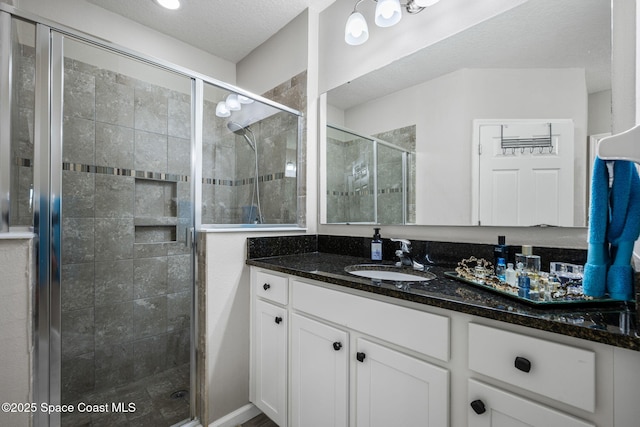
x,y
392,273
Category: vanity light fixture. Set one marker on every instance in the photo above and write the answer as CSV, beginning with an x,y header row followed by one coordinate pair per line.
x,y
222,110
168,4
388,13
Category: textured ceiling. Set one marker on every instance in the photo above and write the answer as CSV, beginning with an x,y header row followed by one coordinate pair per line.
x,y
229,29
537,34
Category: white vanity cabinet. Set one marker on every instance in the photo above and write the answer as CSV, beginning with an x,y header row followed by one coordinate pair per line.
x,y
393,389
492,407
269,325
319,374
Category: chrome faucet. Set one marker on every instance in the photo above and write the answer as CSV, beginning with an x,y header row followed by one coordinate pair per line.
x,y
404,253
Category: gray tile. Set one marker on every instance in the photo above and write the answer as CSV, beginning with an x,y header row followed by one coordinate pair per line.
x,y
150,316
150,277
151,110
178,311
179,160
78,140
114,146
149,250
149,356
77,336
77,240
78,189
114,323
114,238
114,196
114,365
79,94
178,347
114,103
150,152
113,281
77,287
153,198
179,118
77,376
179,273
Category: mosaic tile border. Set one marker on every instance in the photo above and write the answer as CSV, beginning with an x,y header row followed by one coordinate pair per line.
x,y
108,170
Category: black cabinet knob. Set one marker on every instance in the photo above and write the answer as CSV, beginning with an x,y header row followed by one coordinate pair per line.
x,y
522,364
337,345
278,319
266,286
360,356
478,407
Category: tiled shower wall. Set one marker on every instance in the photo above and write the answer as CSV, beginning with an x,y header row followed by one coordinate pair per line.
x,y
126,285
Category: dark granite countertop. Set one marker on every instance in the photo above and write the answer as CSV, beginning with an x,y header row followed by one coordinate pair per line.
x,y
611,324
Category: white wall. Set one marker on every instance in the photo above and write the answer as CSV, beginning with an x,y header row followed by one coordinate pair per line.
x,y
599,120
340,63
15,326
281,57
443,109
99,22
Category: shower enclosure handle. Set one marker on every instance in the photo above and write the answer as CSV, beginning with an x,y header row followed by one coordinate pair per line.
x,y
189,237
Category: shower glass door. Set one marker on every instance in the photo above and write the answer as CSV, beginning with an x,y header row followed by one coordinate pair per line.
x,y
126,214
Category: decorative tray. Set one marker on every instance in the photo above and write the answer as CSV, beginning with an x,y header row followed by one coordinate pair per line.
x,y
573,300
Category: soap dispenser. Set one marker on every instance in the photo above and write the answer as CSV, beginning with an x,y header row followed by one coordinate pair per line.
x,y
376,246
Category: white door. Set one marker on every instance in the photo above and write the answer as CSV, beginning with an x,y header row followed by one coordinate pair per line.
x,y
319,374
492,407
394,389
524,186
270,360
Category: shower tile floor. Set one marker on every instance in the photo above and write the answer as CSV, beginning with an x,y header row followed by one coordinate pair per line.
x,y
152,396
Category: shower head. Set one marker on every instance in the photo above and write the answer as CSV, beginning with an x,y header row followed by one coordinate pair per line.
x,y
238,129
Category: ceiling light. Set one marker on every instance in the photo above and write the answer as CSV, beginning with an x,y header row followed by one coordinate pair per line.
x,y
356,31
244,99
232,102
169,4
222,110
388,13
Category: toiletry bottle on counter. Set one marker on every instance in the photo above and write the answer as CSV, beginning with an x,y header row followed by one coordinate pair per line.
x,y
501,270
510,275
376,246
501,250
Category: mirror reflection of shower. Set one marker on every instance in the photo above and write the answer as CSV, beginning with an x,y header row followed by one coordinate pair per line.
x,y
244,131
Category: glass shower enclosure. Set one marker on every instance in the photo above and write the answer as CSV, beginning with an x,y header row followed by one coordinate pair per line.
x,y
114,161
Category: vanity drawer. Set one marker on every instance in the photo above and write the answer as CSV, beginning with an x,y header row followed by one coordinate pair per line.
x,y
558,371
416,330
272,287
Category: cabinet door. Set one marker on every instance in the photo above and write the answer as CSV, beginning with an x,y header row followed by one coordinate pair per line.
x,y
492,407
319,374
393,389
270,360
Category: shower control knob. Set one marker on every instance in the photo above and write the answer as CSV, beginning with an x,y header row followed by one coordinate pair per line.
x,y
337,345
266,286
278,319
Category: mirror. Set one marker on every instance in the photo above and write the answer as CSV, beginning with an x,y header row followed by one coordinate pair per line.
x,y
541,62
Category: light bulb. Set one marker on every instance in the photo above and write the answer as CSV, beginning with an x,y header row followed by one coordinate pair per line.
x,y
244,100
222,110
388,13
425,3
169,4
356,30
232,102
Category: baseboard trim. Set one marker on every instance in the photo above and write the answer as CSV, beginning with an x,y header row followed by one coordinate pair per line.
x,y
237,417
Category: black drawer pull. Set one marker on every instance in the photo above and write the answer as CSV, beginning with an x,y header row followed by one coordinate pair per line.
x,y
278,319
337,345
522,364
360,356
266,286
478,407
